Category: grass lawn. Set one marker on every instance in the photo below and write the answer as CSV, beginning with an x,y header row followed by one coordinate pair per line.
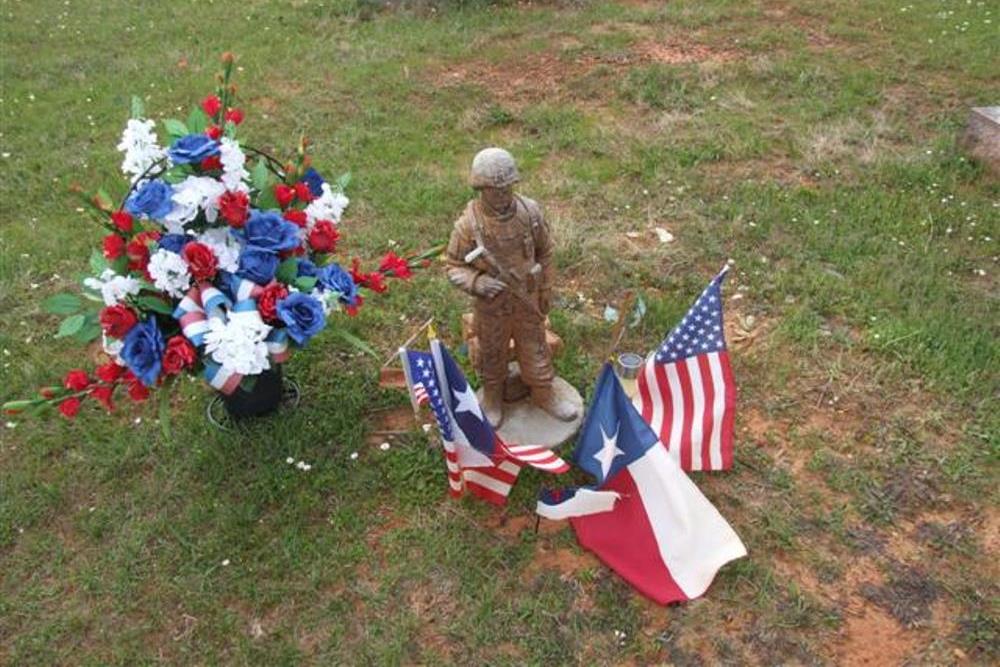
x,y
813,142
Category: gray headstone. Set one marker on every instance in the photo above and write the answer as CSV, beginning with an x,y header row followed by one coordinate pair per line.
x,y
982,136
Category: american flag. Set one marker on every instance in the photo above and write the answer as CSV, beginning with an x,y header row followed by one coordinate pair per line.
x,y
686,389
476,458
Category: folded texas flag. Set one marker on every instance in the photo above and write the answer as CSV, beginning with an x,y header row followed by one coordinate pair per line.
x,y
660,533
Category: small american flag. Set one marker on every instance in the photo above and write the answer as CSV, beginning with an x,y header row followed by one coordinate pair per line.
x,y
686,388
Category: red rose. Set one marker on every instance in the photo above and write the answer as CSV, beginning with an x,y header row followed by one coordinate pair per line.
x,y
211,105
137,391
76,380
353,310
323,236
201,260
103,396
114,247
234,116
122,221
109,372
211,163
138,250
213,132
298,217
235,207
70,407
303,192
284,194
117,320
180,354
267,302
394,266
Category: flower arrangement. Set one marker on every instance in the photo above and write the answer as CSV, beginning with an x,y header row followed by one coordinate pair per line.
x,y
220,259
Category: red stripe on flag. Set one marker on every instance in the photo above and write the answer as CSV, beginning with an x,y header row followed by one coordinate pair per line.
x,y
708,390
727,421
645,399
488,495
685,382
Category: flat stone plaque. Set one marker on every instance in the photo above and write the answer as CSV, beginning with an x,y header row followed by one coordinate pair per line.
x,y
526,424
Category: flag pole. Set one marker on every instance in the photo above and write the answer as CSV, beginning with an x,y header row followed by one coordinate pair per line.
x,y
409,340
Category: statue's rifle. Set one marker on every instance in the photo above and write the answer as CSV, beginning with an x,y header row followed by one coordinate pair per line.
x,y
511,279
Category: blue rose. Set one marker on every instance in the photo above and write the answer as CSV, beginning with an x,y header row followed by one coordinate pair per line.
x,y
142,351
152,200
307,269
174,242
257,264
303,316
192,149
269,230
332,277
314,181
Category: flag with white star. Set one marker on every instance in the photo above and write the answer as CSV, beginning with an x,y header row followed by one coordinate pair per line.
x,y
644,517
686,391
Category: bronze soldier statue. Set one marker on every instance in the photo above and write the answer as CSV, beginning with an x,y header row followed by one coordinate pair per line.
x,y
500,252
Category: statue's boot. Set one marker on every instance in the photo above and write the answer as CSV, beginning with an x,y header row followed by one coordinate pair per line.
x,y
561,409
493,403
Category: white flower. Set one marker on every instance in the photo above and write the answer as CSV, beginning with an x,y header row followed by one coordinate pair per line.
x,y
140,147
192,194
113,287
327,299
238,344
113,348
328,206
225,247
233,159
169,272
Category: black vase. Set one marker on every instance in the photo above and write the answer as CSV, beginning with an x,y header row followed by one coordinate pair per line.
x,y
261,399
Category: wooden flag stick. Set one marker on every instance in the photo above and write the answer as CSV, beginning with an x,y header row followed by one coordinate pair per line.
x,y
395,355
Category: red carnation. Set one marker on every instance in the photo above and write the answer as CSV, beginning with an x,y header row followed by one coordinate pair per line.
x,y
211,105
201,260
76,380
109,372
211,163
303,192
180,354
374,281
284,194
137,391
353,310
122,221
103,396
138,250
117,320
267,302
296,216
70,407
323,236
395,266
234,116
213,132
114,247
234,207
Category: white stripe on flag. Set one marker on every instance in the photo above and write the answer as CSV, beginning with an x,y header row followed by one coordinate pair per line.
x,y
718,410
583,503
474,476
698,416
655,397
693,538
677,413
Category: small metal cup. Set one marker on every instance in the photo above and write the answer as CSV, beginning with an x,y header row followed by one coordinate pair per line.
x,y
628,364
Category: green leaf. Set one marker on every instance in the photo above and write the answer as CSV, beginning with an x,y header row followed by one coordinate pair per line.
x,y
306,283
197,121
62,304
356,342
97,262
17,406
71,325
343,181
260,176
155,304
138,108
288,271
177,173
266,199
175,128
91,330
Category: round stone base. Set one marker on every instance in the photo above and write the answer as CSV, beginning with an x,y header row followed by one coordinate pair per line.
x,y
526,424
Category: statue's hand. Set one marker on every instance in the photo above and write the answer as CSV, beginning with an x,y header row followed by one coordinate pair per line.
x,y
489,286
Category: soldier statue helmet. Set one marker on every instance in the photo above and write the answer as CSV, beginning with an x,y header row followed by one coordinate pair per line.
x,y
500,253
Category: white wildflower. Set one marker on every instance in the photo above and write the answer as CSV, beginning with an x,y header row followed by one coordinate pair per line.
x,y
194,194
113,287
225,247
140,146
238,344
233,159
113,348
328,206
169,272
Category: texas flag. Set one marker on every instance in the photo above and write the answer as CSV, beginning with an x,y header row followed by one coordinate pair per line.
x,y
644,518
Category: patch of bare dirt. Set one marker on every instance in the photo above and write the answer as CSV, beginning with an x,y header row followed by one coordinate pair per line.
x,y
874,638
676,52
566,562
